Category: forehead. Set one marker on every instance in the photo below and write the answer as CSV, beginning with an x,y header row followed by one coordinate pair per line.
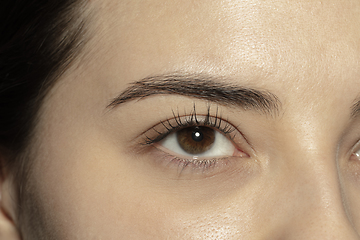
x,y
306,49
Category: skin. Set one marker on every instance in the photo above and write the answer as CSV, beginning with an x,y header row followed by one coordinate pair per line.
x,y
92,179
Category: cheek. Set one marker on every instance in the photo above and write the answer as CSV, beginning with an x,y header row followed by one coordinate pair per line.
x,y
85,189
89,187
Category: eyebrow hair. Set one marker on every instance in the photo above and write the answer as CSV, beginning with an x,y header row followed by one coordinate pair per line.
x,y
355,109
200,86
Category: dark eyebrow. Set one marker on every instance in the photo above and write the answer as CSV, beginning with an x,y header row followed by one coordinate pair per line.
x,y
210,88
355,109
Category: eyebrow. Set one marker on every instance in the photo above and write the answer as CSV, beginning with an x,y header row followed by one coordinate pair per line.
x,y
355,109
206,87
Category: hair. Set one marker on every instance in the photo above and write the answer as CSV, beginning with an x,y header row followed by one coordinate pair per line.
x,y
39,40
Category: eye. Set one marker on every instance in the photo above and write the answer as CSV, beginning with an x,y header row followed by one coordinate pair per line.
x,y
198,141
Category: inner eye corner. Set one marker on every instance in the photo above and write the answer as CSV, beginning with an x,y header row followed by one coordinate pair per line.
x,y
355,156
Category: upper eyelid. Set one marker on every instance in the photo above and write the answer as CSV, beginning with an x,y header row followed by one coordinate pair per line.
x,y
205,120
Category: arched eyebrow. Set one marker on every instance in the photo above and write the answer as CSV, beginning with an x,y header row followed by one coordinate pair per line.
x,y
199,86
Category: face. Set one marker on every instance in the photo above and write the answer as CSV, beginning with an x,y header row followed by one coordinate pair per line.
x,y
205,120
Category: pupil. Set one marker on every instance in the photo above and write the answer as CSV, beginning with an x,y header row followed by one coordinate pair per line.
x,y
197,136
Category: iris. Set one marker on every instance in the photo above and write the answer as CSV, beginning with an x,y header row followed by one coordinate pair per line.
x,y
196,140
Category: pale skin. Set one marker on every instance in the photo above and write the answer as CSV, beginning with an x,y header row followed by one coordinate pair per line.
x,y
294,174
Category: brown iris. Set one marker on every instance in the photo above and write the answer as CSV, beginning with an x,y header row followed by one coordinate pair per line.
x,y
196,140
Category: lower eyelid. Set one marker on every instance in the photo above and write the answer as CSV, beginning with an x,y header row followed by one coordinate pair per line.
x,y
204,167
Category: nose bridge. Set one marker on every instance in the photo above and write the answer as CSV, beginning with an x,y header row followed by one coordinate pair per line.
x,y
317,210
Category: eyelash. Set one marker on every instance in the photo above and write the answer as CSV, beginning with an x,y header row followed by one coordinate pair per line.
x,y
193,119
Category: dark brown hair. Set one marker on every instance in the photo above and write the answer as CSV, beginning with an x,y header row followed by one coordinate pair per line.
x,y
39,40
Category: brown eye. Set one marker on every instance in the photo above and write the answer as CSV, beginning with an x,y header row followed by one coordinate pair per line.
x,y
196,140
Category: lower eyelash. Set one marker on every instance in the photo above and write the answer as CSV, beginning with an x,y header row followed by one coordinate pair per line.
x,y
195,164
204,163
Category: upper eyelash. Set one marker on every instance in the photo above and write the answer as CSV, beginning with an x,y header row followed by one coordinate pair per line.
x,y
191,120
